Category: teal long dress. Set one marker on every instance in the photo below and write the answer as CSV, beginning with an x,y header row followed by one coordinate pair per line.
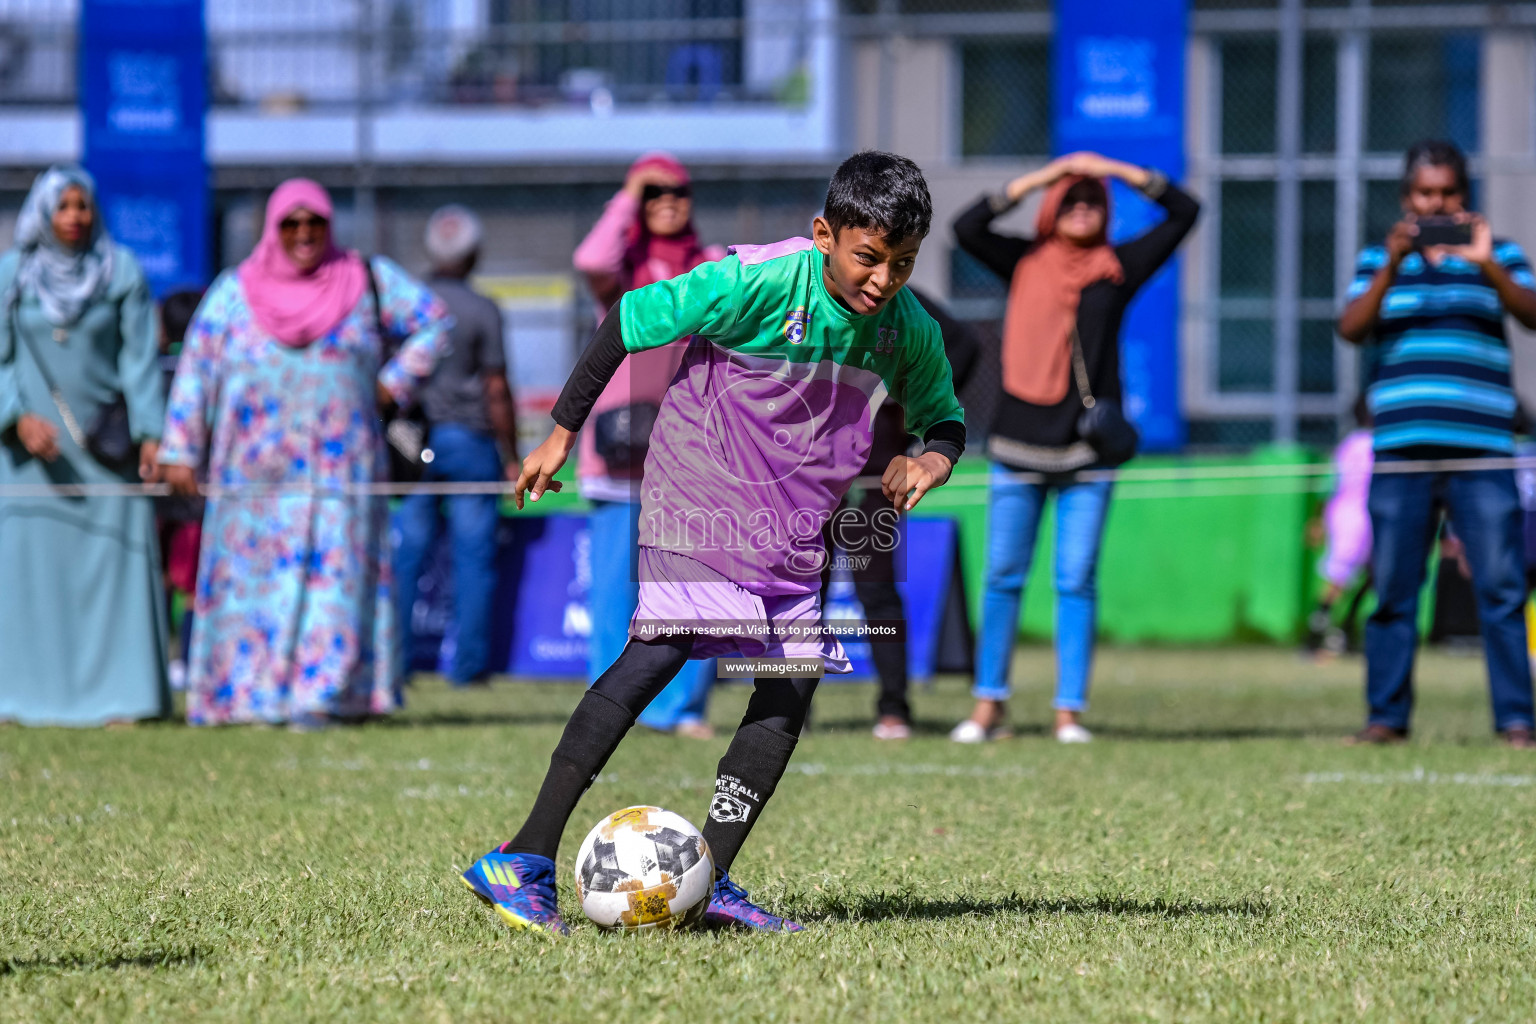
x,y
82,606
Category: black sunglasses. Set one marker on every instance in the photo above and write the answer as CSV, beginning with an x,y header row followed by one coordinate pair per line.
x,y
294,223
657,191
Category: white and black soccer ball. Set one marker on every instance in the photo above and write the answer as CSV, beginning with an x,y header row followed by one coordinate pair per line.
x,y
642,868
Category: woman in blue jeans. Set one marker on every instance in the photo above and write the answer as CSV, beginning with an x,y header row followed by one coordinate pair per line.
x,y
1068,292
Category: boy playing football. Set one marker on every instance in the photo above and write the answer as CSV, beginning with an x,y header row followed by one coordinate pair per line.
x,y
763,430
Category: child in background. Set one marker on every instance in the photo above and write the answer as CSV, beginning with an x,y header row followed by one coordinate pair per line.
x,y
1347,528
180,518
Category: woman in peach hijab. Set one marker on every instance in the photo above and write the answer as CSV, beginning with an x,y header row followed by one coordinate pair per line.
x,y
1068,293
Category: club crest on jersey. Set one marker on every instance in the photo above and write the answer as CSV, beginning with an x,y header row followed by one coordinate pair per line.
x,y
795,324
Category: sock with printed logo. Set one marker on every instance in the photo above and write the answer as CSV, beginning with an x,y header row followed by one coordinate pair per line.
x,y
754,763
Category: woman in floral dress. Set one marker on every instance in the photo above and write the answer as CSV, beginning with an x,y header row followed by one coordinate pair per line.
x,y
279,384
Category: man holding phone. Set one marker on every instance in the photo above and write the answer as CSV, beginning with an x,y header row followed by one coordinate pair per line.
x,y
1434,299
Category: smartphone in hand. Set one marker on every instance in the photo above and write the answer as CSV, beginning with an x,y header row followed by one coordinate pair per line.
x,y
1435,231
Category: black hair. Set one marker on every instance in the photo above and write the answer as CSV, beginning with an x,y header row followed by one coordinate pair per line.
x,y
879,191
176,312
1436,153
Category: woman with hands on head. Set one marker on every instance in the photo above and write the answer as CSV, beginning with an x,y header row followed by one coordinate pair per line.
x,y
645,234
82,614
1069,288
278,386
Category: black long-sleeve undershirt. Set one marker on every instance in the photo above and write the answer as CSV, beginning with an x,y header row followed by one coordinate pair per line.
x,y
598,363
946,438
600,360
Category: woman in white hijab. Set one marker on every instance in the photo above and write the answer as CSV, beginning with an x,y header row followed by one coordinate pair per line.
x,y
82,621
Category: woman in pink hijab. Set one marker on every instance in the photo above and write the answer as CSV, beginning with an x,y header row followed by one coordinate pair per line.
x,y
645,235
278,387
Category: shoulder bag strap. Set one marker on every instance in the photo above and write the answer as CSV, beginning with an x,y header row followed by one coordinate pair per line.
x,y
387,345
65,412
1080,370
373,292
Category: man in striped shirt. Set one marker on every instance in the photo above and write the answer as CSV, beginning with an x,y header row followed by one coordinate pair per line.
x,y
1441,391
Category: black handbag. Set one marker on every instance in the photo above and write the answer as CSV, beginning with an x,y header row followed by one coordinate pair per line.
x,y
1102,424
405,430
109,438
622,436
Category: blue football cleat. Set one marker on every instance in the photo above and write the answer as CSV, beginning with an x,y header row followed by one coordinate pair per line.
x,y
730,908
521,887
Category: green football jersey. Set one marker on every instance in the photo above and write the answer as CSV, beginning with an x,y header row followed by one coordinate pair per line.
x,y
768,421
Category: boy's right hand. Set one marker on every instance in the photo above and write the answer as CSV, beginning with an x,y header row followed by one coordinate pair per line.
x,y
541,465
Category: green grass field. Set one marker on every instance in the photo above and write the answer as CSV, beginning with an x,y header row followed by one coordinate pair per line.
x,y
1217,855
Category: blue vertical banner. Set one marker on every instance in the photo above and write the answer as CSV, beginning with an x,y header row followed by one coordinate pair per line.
x,y
143,104
1118,88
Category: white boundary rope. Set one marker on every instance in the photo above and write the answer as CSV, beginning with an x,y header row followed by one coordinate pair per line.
x,y
1178,481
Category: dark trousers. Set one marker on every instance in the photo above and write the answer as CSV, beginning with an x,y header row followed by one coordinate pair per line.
x,y
1484,510
462,456
874,581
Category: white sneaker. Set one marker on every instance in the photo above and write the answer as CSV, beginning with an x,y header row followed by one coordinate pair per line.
x,y
892,731
1073,733
176,673
970,731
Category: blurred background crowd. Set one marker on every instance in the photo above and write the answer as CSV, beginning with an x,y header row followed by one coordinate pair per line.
x,y
317,240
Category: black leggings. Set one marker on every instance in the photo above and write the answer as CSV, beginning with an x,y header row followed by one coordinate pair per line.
x,y
641,671
748,773
645,668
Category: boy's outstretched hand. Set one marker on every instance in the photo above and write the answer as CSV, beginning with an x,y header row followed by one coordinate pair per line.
x,y
541,465
906,480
